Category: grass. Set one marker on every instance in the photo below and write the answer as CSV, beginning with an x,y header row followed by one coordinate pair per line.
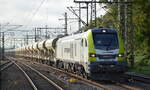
x,y
142,62
1,62
141,70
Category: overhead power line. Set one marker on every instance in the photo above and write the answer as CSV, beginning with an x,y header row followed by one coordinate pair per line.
x,y
73,11
34,13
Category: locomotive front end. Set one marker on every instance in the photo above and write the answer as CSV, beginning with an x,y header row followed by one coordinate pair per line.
x,y
104,54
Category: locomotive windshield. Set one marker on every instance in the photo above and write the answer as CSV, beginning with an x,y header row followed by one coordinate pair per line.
x,y
105,41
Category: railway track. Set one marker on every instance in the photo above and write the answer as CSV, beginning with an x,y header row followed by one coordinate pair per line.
x,y
106,87
137,77
5,65
83,79
37,80
96,83
79,78
13,79
55,79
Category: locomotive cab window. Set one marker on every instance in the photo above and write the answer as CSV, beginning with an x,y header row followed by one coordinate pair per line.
x,y
106,41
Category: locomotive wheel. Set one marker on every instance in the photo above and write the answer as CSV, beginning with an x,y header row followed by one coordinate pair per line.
x,y
60,65
84,74
42,61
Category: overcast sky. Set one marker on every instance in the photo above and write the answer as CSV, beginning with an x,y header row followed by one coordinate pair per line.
x,y
37,13
26,12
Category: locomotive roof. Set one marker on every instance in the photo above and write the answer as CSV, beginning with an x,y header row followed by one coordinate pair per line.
x,y
95,30
108,30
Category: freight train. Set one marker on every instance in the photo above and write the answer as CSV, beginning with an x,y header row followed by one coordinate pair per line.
x,y
94,53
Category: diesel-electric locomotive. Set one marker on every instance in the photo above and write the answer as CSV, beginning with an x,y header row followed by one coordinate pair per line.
x,y
94,53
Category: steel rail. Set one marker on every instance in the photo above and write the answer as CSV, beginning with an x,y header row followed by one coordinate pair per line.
x,y
137,77
26,75
5,65
83,79
93,82
127,86
43,76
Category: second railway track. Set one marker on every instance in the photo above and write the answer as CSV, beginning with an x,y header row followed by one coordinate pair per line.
x,y
5,65
36,79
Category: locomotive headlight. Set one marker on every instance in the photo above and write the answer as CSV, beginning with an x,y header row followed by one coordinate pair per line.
x,y
92,55
120,55
103,31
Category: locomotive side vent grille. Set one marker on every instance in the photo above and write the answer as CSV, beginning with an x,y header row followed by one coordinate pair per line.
x,y
106,56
